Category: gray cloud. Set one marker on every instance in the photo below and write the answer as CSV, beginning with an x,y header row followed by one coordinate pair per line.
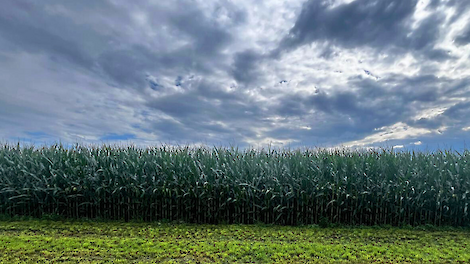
x,y
464,38
245,66
208,37
199,108
191,71
461,7
127,67
22,30
362,22
373,104
48,29
382,25
455,117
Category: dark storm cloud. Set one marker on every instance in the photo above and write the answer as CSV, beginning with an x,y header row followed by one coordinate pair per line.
x,y
373,104
458,112
169,130
434,3
34,39
425,36
454,116
131,66
208,37
201,107
464,37
127,67
245,67
102,39
99,47
204,102
459,88
366,95
460,8
95,59
383,25
25,26
361,22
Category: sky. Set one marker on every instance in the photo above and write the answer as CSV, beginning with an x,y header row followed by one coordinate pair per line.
x,y
246,73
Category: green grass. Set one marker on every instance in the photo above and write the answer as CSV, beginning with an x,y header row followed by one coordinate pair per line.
x,y
45,241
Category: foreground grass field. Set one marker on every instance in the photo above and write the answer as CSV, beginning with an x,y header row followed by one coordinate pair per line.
x,y
41,241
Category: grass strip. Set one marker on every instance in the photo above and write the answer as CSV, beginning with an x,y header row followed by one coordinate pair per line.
x,y
46,241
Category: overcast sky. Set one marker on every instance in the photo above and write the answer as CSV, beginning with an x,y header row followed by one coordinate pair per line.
x,y
236,72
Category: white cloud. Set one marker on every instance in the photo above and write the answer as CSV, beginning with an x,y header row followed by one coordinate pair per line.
x,y
397,131
165,71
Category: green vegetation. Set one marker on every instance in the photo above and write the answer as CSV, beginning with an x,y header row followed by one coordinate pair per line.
x,y
218,185
102,242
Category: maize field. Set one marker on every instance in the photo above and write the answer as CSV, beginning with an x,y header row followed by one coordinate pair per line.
x,y
228,185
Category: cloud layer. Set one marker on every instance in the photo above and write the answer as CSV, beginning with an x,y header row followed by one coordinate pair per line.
x,y
310,73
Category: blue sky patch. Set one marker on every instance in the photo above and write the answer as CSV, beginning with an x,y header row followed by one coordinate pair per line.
x,y
118,137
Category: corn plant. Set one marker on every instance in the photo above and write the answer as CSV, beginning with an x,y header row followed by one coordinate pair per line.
x,y
214,185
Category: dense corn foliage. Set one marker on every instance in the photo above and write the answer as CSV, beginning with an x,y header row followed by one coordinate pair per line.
x,y
214,185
